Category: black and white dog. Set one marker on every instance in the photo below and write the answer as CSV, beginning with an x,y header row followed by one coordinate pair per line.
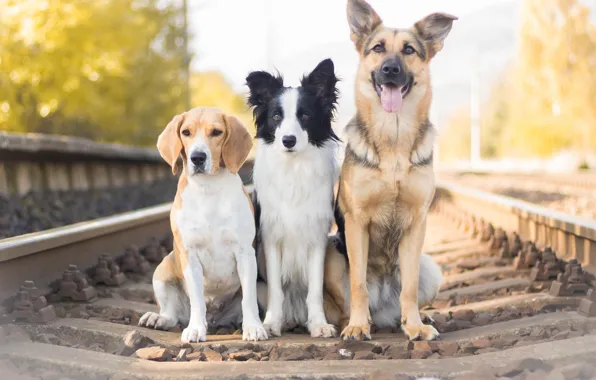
x,y
294,172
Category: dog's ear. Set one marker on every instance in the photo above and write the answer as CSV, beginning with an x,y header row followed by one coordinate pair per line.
x,y
433,29
321,82
169,144
363,20
263,87
237,144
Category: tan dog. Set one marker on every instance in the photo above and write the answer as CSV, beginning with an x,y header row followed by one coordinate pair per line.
x,y
387,181
211,275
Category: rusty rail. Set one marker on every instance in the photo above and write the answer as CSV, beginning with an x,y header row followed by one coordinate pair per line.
x,y
572,237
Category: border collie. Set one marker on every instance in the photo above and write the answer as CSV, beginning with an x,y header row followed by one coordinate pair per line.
x,y
294,172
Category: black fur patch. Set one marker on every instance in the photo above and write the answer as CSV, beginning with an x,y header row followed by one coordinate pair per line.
x,y
356,159
340,237
425,126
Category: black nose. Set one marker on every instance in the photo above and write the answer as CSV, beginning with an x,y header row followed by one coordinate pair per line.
x,y
198,158
289,141
392,67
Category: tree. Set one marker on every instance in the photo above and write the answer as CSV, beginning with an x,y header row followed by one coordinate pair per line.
x,y
108,69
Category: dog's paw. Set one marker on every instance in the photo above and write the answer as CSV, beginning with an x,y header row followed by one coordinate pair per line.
x,y
272,327
356,332
157,321
323,330
254,332
420,332
194,333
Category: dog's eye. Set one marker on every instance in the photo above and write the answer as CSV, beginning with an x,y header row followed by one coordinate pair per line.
x,y
379,48
408,50
216,132
186,132
276,117
305,117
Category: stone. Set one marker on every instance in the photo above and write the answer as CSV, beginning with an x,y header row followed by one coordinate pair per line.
x,y
421,354
154,353
345,353
364,355
218,348
133,340
212,355
333,356
182,355
464,314
242,356
469,264
356,346
196,356
422,345
448,348
296,354
397,353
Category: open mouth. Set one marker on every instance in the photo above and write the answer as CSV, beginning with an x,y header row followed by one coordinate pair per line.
x,y
392,95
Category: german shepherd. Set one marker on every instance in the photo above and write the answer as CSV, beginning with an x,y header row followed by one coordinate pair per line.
x,y
386,182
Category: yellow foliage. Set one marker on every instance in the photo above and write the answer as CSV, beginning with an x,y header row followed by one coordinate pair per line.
x,y
210,89
547,100
109,70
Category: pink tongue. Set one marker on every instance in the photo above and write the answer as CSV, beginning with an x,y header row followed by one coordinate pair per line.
x,y
391,98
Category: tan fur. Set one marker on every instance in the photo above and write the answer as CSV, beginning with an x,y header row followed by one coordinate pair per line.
x,y
391,192
232,146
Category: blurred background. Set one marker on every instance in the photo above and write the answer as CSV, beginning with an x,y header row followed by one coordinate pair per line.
x,y
515,84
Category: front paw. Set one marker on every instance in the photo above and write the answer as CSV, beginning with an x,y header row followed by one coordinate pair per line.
x,y
356,332
322,330
272,326
194,333
420,332
254,332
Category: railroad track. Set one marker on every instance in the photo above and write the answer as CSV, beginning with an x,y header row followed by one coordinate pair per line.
x,y
517,301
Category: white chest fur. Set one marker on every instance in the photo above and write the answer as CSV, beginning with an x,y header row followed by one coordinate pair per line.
x,y
215,224
295,192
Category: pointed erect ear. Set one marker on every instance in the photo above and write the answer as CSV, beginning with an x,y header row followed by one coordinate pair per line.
x,y
363,20
263,87
169,144
321,82
433,29
237,144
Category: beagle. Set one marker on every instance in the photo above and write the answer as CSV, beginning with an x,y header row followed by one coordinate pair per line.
x,y
211,274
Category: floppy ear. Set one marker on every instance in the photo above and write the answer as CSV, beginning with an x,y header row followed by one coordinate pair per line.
x,y
263,87
363,20
169,144
237,144
321,82
433,29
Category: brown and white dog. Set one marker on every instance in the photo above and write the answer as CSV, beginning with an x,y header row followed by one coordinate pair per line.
x,y
386,183
211,275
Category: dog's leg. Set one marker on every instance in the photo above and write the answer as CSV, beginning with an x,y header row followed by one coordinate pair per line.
x,y
169,298
410,249
193,277
317,323
274,316
357,239
252,328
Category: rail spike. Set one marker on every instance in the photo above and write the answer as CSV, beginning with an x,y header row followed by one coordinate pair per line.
x,y
107,272
547,268
31,306
572,282
74,286
133,261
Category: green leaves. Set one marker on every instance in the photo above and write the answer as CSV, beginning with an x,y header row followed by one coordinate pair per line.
x,y
106,69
